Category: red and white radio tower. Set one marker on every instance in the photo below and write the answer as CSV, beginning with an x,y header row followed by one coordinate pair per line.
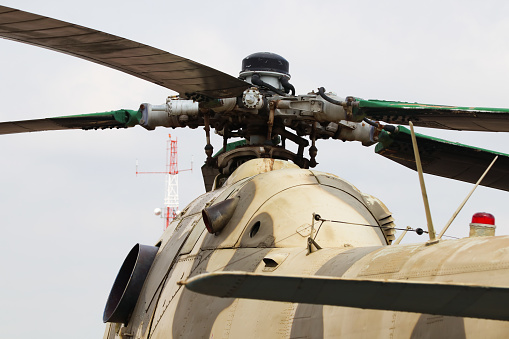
x,y
171,199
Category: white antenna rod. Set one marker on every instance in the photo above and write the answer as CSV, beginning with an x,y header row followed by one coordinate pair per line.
x,y
431,229
466,199
402,236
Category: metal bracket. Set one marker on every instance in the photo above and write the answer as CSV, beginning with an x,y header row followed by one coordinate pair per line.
x,y
124,334
311,243
349,107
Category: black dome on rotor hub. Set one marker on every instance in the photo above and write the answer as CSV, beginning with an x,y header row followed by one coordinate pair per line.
x,y
265,61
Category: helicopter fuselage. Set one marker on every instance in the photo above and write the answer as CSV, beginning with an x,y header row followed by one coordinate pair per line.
x,y
268,233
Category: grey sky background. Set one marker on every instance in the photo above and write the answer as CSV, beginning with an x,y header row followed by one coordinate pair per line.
x,y
71,206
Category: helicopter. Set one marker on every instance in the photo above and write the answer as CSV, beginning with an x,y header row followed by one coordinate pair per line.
x,y
320,149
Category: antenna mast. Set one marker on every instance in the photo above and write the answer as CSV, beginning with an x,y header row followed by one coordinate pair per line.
x,y
171,200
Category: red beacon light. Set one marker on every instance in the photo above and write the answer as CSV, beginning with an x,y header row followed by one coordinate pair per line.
x,y
483,224
483,218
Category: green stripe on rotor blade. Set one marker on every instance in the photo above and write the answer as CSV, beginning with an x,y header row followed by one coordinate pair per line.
x,y
408,105
118,118
445,158
437,116
114,119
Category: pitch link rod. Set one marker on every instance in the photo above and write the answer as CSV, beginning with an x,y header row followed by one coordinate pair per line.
x,y
209,149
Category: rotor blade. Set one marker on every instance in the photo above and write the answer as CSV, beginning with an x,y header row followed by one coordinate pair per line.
x,y
168,70
436,116
445,158
448,299
115,119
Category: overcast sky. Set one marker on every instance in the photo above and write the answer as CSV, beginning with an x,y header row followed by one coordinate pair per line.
x,y
71,205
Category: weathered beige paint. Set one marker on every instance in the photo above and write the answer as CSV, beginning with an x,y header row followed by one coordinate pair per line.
x,y
480,230
282,198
